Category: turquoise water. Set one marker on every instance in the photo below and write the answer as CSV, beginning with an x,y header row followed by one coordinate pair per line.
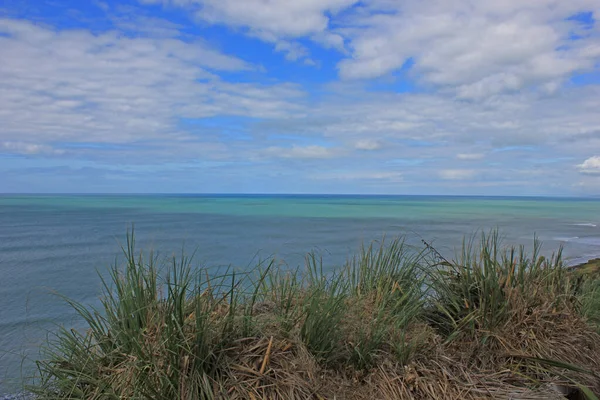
x,y
54,244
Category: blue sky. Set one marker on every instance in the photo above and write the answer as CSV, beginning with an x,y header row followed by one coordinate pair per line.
x,y
309,96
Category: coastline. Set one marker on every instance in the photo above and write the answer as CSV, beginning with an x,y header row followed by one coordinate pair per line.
x,y
591,266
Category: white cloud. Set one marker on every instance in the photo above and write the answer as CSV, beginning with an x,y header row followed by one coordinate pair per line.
x,y
470,156
300,152
280,18
524,142
567,121
75,86
330,41
591,166
28,148
148,26
377,176
367,144
477,48
274,21
293,50
457,174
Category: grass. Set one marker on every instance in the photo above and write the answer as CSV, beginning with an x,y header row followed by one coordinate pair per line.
x,y
394,322
480,290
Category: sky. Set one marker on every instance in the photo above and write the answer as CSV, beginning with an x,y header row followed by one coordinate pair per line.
x,y
458,97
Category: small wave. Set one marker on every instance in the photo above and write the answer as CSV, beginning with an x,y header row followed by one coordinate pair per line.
x,y
586,241
566,239
585,224
590,241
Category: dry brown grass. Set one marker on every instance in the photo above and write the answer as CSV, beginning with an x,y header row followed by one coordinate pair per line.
x,y
276,368
500,330
499,367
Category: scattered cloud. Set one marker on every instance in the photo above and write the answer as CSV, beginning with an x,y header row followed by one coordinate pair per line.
x,y
300,152
76,86
591,166
147,26
293,51
274,21
274,18
376,176
457,174
475,96
477,49
367,144
28,148
470,156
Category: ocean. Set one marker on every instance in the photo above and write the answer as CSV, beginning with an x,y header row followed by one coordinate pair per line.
x,y
57,244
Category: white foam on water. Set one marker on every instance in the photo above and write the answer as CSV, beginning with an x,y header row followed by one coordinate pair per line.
x,y
592,241
589,224
566,239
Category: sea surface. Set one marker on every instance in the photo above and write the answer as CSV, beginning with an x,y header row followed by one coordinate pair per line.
x,y
57,244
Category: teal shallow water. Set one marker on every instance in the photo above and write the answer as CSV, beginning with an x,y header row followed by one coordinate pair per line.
x,y
411,207
56,243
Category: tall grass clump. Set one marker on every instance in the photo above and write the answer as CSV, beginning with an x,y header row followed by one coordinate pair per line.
x,y
589,294
500,307
324,309
172,331
386,288
482,287
152,338
328,309
393,322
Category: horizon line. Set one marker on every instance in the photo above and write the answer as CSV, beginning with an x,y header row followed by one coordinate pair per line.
x,y
217,194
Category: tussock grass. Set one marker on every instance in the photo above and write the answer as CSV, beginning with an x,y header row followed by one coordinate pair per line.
x,y
395,322
590,301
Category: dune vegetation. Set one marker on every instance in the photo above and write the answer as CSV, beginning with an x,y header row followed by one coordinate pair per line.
x,y
394,322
